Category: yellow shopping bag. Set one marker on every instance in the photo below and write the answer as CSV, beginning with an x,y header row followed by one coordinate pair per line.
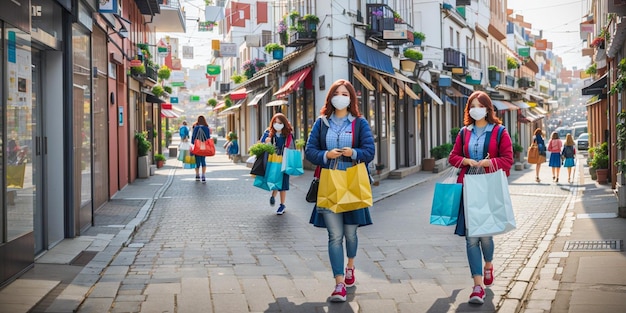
x,y
343,191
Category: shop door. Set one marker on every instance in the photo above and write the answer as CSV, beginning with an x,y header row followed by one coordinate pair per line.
x,y
37,151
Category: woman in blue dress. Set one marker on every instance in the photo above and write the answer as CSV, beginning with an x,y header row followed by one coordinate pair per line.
x,y
569,153
279,133
340,136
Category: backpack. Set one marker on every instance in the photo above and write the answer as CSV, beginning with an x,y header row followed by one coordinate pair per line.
x,y
184,132
568,152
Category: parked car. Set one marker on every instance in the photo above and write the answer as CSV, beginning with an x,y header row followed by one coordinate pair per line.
x,y
582,142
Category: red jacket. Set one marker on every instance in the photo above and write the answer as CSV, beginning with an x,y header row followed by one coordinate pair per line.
x,y
501,156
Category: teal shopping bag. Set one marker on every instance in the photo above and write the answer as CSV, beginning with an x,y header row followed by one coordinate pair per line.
x,y
292,162
273,178
446,202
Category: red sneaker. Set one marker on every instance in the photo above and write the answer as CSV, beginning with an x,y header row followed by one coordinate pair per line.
x,y
349,279
339,295
478,295
488,278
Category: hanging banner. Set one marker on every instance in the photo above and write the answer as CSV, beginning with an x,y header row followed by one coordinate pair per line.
x,y
524,51
108,6
228,49
206,26
162,51
187,52
541,44
213,69
177,79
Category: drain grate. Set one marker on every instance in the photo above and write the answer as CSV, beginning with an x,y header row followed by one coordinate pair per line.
x,y
593,245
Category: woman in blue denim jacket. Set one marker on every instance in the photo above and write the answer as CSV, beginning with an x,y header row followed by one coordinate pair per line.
x,y
332,140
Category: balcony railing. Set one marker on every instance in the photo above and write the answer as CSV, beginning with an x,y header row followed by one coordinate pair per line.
x,y
382,26
151,72
454,58
305,33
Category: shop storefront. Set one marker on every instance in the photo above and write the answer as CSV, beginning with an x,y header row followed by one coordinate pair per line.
x,y
32,108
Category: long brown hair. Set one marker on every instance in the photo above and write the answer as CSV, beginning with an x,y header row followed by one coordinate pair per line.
x,y
201,120
484,99
538,132
287,129
328,107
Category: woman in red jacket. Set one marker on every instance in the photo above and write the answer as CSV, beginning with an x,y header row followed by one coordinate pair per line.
x,y
483,142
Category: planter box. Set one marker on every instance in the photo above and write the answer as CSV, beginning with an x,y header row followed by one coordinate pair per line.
x,y
428,164
143,166
441,165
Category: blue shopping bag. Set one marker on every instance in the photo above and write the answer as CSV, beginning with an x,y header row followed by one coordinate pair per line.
x,y
292,162
446,202
273,178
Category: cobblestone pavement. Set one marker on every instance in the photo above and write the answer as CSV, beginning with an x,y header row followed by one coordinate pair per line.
x,y
220,247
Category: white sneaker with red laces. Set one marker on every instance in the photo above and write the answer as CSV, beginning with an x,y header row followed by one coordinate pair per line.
x,y
478,295
339,294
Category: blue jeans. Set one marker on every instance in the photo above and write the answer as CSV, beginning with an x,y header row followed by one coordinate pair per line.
x,y
337,230
477,249
200,161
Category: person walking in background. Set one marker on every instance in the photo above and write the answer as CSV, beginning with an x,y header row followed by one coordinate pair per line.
x,y
541,145
331,140
569,153
485,143
183,131
200,126
279,133
231,146
554,147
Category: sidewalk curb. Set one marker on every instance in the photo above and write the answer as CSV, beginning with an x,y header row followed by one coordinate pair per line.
x,y
70,299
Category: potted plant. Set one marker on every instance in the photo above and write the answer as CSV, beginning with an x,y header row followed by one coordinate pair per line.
x,y
211,102
138,70
164,73
258,149
495,75
167,89
300,143
294,15
600,162
159,159
413,54
143,147
237,78
517,150
275,49
511,63
311,21
157,90
418,37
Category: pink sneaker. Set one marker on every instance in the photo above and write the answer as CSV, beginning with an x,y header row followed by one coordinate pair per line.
x,y
488,278
349,279
478,295
339,295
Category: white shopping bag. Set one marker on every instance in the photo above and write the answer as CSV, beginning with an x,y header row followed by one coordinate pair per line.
x,y
488,206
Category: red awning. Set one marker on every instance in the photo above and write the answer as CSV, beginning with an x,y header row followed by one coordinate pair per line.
x,y
167,111
293,83
219,106
238,94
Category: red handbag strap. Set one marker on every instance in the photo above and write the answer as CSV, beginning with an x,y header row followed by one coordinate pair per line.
x,y
318,172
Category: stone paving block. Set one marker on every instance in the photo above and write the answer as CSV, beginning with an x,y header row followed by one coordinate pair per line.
x,y
230,302
257,293
510,306
518,290
125,307
96,305
283,287
194,303
544,305
105,290
130,298
164,288
377,306
224,284
164,303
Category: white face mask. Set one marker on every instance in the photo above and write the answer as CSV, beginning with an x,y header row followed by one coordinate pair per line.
x,y
278,126
478,113
340,102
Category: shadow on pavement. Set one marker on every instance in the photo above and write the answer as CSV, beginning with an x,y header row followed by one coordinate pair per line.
x,y
284,305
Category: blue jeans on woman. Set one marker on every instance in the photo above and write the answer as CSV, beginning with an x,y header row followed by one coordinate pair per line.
x,y
477,249
337,230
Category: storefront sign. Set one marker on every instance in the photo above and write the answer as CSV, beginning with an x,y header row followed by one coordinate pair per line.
x,y
108,6
16,12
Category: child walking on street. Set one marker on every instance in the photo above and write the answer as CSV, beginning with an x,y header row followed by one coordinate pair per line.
x,y
554,146
569,153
